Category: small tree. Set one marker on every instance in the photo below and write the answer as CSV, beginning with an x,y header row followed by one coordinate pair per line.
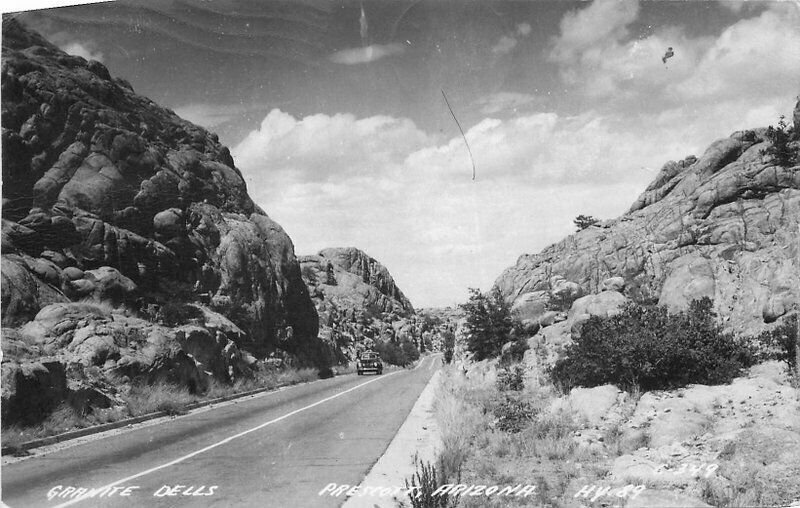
x,y
780,151
489,323
584,221
448,345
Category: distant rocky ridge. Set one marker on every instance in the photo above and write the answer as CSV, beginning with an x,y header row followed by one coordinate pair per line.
x,y
130,247
357,300
725,225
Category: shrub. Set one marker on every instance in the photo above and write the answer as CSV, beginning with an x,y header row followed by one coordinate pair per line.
x,y
511,378
309,273
584,221
401,354
648,347
780,151
562,301
177,313
513,415
422,495
424,483
489,323
514,352
449,345
781,343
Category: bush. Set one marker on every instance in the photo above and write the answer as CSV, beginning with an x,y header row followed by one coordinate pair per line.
x,y
584,221
514,352
780,151
781,343
648,347
513,415
177,313
449,345
511,378
424,483
489,323
401,354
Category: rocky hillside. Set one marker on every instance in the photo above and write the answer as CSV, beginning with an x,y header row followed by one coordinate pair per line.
x,y
130,246
357,300
725,225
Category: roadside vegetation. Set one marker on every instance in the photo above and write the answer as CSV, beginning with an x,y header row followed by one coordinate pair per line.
x,y
646,347
402,353
502,424
142,398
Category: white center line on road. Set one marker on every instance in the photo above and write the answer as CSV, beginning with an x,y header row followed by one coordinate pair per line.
x,y
220,443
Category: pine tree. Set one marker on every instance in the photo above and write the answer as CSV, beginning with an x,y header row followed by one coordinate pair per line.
x,y
489,323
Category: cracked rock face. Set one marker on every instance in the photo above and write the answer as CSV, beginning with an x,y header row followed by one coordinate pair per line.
x,y
356,298
724,225
111,199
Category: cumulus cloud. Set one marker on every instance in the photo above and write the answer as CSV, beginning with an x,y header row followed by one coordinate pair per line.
x,y
508,42
601,23
752,61
504,45
372,53
754,56
408,198
326,148
83,49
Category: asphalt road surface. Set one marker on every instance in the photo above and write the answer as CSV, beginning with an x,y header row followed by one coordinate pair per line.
x,y
280,449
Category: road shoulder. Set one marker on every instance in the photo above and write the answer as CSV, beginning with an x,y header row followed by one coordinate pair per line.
x,y
419,434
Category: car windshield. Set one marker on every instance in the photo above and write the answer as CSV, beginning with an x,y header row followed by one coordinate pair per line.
x,y
369,356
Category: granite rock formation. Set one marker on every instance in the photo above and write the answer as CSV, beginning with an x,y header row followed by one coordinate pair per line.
x,y
725,225
357,300
113,203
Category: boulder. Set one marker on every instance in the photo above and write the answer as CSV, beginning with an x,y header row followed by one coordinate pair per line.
x,y
605,304
110,285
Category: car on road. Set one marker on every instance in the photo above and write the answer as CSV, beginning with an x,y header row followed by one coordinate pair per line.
x,y
369,361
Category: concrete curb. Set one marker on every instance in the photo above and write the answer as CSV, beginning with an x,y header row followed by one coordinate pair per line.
x,y
95,429
419,433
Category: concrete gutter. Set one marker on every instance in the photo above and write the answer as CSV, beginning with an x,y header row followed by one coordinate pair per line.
x,y
420,435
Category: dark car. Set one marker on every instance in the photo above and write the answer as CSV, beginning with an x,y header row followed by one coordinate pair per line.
x,y
369,361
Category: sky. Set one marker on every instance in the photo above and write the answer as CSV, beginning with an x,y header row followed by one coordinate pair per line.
x,y
339,124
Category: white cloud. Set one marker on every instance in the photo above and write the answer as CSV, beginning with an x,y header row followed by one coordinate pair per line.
x,y
322,148
504,45
385,186
82,49
524,29
756,56
372,53
753,61
603,21
508,42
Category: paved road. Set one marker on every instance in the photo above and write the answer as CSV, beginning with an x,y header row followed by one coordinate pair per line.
x,y
279,450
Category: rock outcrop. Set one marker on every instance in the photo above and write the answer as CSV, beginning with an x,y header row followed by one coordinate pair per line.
x,y
112,200
357,300
725,225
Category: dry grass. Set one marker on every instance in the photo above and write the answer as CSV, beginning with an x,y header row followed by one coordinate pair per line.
x,y
142,399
